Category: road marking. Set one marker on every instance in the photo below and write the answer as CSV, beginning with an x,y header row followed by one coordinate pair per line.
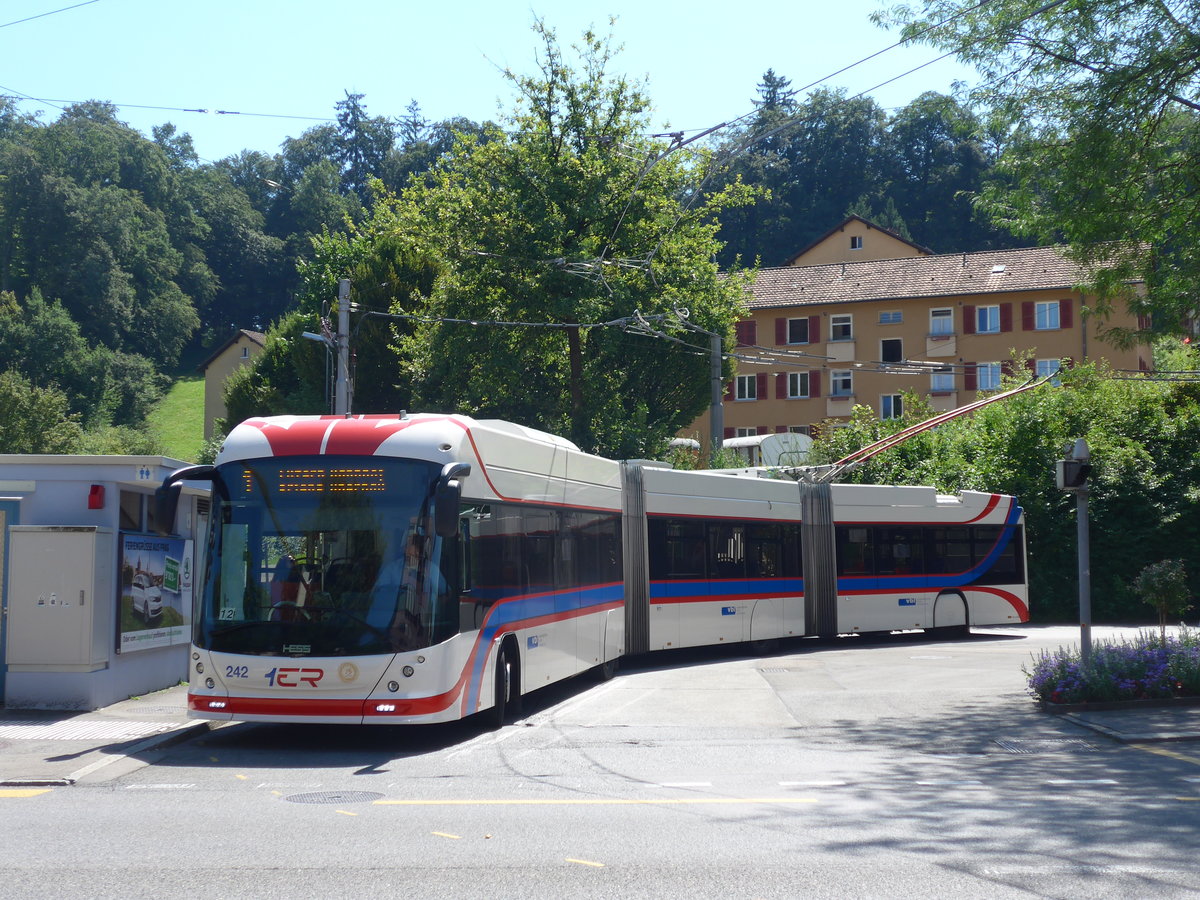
x,y
446,834
685,784
1162,751
345,812
609,801
159,787
23,792
949,782
586,862
1081,781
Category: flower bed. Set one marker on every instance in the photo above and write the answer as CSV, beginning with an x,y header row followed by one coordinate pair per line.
x,y
1145,668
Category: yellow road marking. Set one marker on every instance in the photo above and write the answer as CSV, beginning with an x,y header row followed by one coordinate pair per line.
x,y
241,777
453,837
611,801
23,792
1163,751
587,862
346,812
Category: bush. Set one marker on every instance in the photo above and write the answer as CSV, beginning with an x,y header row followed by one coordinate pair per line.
x,y
1148,667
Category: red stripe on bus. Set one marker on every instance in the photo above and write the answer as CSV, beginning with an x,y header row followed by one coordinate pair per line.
x,y
992,503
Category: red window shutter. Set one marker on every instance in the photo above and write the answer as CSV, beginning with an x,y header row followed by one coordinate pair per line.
x,y
780,332
1007,368
1065,317
970,378
761,429
742,329
1006,317
781,386
781,429
968,320
1027,319
1031,365
814,329
814,383
761,393
1068,362
728,433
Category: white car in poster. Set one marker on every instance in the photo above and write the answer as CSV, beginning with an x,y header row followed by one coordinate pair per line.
x,y
147,598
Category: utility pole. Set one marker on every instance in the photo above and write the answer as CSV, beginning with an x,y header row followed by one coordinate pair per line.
x,y
341,393
1071,474
716,410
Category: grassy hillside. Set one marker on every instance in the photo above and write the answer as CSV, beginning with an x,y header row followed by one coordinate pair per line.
x,y
179,419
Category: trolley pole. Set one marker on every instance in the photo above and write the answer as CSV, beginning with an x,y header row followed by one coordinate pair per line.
x,y
341,393
1071,475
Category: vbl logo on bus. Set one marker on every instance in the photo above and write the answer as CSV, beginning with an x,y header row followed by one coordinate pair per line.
x,y
290,677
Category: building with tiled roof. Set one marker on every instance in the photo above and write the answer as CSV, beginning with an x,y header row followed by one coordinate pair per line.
x,y
238,350
823,338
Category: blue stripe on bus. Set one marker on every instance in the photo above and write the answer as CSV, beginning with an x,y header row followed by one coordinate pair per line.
x,y
510,614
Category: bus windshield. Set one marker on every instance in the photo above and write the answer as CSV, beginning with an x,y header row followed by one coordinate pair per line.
x,y
322,556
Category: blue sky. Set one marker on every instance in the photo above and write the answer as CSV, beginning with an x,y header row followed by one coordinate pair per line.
x,y
283,65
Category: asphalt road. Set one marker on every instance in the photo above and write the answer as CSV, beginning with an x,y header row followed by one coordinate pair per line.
x,y
899,767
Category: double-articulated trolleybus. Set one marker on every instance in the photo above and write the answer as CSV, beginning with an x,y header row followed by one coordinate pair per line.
x,y
422,568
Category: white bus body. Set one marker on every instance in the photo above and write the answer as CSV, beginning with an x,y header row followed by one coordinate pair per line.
x,y
561,562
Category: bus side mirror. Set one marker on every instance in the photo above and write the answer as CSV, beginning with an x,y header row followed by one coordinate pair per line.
x,y
166,496
446,499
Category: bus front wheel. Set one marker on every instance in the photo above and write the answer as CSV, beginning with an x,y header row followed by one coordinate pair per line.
x,y
507,707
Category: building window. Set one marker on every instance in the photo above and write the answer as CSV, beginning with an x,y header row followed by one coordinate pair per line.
x,y
1049,367
1046,315
987,320
745,432
891,406
747,387
841,328
941,321
891,350
891,317
987,376
797,331
841,383
942,380
797,385
245,353
855,242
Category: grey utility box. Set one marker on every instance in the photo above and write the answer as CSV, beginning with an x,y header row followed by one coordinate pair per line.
x,y
61,587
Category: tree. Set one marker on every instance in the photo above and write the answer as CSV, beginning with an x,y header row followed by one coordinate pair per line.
x,y
568,217
1100,99
34,419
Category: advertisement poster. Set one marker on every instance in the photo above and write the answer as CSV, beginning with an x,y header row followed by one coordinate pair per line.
x,y
156,592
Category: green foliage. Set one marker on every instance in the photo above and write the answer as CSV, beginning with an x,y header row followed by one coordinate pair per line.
x,y
179,419
287,378
1144,488
35,419
1164,586
1097,99
568,216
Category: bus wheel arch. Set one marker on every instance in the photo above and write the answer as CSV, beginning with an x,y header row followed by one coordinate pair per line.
x,y
951,615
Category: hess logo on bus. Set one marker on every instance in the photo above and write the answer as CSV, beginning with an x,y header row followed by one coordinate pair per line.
x,y
294,677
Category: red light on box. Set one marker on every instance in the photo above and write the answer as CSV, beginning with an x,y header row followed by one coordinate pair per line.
x,y
96,497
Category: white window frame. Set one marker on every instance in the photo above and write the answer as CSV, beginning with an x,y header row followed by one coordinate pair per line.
x,y
987,376
841,327
807,332
941,321
796,381
856,242
747,388
987,319
891,406
942,382
841,383
1047,315
745,432
891,317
